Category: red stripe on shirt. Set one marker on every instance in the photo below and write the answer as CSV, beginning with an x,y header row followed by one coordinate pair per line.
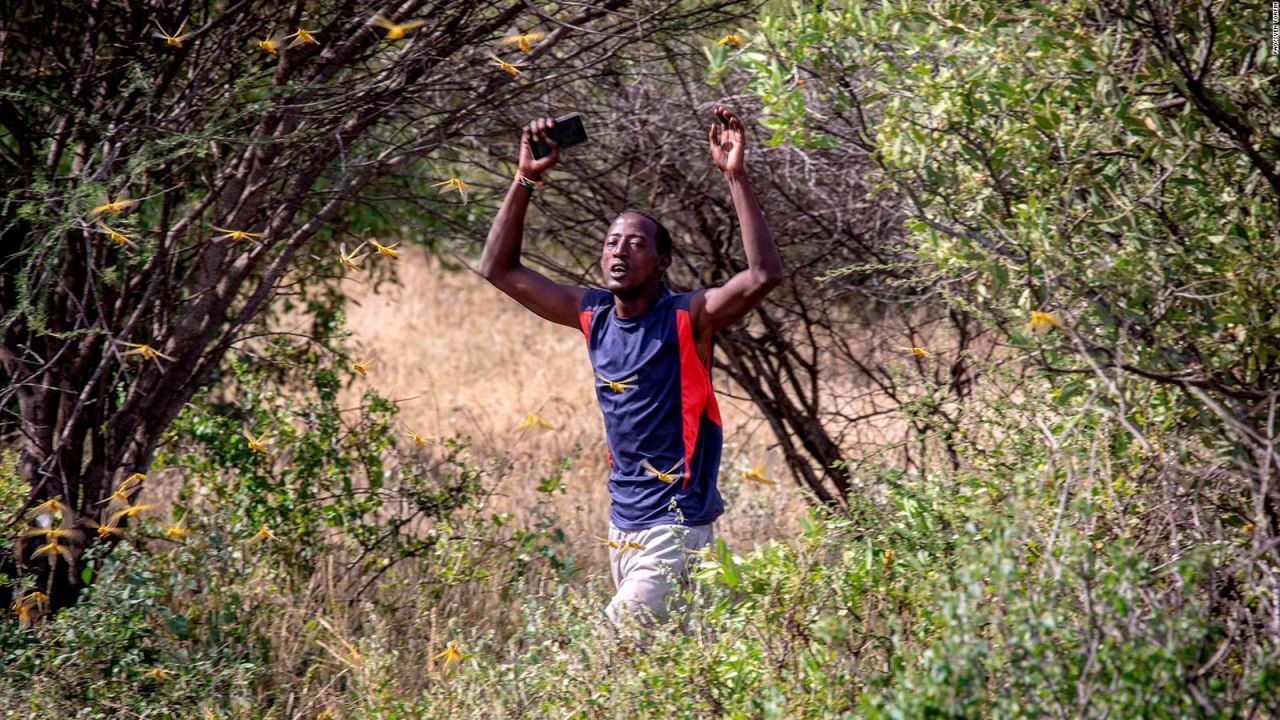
x,y
584,319
696,394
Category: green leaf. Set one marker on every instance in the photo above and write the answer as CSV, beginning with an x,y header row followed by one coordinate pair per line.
x,y
999,275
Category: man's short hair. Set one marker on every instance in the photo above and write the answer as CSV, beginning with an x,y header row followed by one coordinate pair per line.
x,y
662,236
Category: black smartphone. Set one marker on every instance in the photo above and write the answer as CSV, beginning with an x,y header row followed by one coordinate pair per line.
x,y
567,131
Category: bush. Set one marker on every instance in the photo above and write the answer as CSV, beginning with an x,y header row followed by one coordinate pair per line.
x,y
341,526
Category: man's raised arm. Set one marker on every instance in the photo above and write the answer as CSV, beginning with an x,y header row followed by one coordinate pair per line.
x,y
722,306
501,265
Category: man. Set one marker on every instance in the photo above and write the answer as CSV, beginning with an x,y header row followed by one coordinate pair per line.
x,y
650,350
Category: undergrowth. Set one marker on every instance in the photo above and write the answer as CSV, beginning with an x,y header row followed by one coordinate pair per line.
x,y
1021,588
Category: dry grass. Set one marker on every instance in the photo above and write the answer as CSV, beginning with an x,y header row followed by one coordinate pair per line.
x,y
474,361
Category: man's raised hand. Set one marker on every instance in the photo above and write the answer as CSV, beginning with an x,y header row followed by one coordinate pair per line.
x,y
537,130
728,141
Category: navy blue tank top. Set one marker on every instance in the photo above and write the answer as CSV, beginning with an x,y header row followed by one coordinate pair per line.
x,y
661,419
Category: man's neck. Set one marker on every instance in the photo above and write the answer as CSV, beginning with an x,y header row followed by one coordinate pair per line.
x,y
639,304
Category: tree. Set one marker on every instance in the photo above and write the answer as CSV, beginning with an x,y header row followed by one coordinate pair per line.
x,y
1097,185
1105,168
171,170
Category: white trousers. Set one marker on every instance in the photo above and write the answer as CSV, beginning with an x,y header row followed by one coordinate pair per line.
x,y
646,578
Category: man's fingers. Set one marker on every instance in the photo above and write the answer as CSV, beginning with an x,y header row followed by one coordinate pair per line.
x,y
537,131
728,119
546,162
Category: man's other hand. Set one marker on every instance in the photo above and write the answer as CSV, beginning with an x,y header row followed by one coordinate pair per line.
x,y
728,141
537,130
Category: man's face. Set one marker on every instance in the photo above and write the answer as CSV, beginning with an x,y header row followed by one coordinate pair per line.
x,y
630,260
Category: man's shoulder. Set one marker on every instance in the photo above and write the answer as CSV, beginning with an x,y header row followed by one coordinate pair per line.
x,y
674,300
685,299
595,297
